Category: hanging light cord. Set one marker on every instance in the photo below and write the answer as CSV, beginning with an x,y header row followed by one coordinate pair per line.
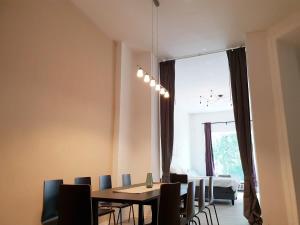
x,y
140,72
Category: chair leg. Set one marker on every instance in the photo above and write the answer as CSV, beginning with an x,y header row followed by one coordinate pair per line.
x,y
119,214
118,219
121,222
206,217
109,218
129,214
114,218
216,214
198,220
133,215
209,215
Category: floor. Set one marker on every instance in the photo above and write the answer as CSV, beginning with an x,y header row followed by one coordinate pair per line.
x,y
228,214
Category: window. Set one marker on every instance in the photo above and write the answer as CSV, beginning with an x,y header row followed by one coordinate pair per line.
x,y
226,155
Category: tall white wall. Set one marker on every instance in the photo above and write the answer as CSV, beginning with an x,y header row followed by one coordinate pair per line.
x,y
264,123
273,79
136,146
56,116
290,77
181,148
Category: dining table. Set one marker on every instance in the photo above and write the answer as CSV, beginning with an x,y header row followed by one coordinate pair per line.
x,y
134,194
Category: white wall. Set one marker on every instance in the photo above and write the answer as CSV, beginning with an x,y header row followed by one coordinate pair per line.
x,y
71,105
264,123
56,99
136,137
197,136
271,82
290,77
181,147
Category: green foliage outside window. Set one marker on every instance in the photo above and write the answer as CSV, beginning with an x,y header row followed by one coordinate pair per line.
x,y
226,155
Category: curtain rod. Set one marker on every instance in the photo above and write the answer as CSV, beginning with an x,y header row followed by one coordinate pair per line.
x,y
220,122
205,53
232,121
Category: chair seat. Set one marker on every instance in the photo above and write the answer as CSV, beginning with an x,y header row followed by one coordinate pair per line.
x,y
52,221
102,212
114,205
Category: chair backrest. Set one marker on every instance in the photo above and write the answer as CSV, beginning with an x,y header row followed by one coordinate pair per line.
x,y
190,201
50,199
201,195
105,182
83,180
74,206
169,204
181,178
210,190
126,180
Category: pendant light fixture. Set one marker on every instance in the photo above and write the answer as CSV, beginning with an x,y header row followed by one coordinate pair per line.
x,y
141,73
210,99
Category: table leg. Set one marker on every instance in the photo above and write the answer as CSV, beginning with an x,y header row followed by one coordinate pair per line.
x,y
141,215
95,211
154,209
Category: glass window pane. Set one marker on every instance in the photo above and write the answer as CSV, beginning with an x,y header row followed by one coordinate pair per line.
x,y
226,155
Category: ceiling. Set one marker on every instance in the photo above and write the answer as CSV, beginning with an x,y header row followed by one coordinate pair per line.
x,y
292,38
185,26
197,76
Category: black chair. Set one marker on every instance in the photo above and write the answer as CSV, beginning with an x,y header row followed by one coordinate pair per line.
x,y
126,181
83,180
181,178
101,211
210,200
188,213
169,210
50,200
201,201
105,183
75,205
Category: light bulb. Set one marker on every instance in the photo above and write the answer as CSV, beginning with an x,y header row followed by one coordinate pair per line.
x,y
152,82
140,73
167,95
157,87
146,78
162,91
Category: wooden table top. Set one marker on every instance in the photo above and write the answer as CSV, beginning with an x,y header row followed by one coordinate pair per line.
x,y
110,195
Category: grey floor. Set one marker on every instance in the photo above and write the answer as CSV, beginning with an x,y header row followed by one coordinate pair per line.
x,y
228,214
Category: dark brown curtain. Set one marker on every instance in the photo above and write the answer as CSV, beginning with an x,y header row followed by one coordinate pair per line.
x,y
167,79
209,154
240,97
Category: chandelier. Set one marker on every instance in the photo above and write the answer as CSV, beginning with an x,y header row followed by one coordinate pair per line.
x,y
153,83
210,99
